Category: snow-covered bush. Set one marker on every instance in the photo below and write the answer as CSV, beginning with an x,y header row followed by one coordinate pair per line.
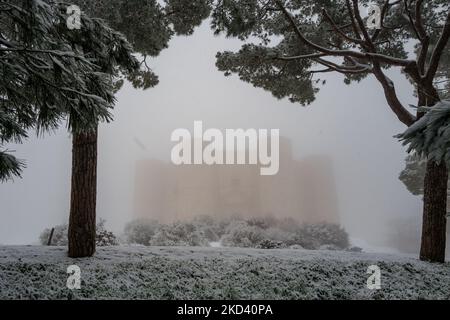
x,y
270,244
152,233
141,231
179,234
103,237
59,237
258,233
212,228
279,235
266,233
241,234
313,236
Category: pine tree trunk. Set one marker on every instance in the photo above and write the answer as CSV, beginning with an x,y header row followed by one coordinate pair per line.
x,y
83,195
434,213
434,221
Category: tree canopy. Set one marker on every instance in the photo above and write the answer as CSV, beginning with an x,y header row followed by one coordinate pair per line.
x,y
149,25
50,74
288,44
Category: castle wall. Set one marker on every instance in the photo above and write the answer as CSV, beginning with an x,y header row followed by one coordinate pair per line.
x,y
304,190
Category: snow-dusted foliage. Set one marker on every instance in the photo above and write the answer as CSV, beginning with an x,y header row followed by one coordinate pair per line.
x,y
59,237
213,229
430,135
141,231
179,234
217,273
103,236
278,234
242,234
270,244
152,233
315,236
51,75
266,233
281,234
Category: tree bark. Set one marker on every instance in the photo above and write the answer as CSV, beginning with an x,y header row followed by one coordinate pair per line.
x,y
434,213
83,195
434,222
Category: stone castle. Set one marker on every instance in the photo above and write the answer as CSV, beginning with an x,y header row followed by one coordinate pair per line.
x,y
303,189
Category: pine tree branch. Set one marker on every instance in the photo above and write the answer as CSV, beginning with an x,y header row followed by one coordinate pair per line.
x,y
366,56
438,51
338,30
391,97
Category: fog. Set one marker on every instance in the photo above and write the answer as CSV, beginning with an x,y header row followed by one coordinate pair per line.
x,y
351,124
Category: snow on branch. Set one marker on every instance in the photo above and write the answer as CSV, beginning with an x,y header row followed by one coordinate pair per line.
x,y
430,135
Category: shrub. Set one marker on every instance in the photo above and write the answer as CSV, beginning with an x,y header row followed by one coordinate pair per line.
x,y
179,234
103,237
313,236
211,228
270,244
60,235
267,233
277,234
141,231
241,234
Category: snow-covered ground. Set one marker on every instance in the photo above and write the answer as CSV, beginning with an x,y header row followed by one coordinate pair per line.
x,y
34,272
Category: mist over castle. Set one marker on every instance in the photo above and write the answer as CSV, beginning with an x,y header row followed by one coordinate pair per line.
x,y
303,189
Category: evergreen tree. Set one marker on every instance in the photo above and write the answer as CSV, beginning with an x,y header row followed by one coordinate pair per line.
x,y
149,26
40,82
113,55
51,73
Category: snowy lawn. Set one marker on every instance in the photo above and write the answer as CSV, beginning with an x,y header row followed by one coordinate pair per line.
x,y
33,272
